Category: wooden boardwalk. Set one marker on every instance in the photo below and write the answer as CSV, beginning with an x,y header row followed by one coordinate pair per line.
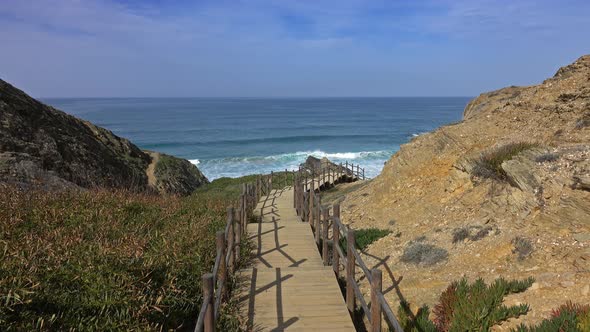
x,y
289,287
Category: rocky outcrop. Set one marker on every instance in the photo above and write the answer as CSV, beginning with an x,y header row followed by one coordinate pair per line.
x,y
175,175
44,146
432,188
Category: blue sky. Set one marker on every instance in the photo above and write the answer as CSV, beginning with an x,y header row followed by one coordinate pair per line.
x,y
273,48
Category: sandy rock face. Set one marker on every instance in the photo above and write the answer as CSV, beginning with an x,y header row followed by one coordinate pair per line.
x,y
431,188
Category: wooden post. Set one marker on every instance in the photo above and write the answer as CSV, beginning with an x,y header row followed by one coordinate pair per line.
x,y
209,296
350,265
230,243
336,240
376,289
311,201
304,209
295,198
239,228
326,214
301,201
220,244
270,183
317,221
363,173
241,213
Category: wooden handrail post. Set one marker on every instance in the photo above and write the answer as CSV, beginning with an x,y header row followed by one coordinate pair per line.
x,y
301,201
376,289
311,201
304,206
209,296
317,220
336,240
295,194
350,266
230,243
326,214
363,173
270,183
221,250
239,229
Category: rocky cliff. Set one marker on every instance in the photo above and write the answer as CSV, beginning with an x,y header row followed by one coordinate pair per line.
x,y
505,193
44,146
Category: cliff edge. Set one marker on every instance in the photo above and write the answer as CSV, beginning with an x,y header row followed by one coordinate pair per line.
x,y
503,193
44,146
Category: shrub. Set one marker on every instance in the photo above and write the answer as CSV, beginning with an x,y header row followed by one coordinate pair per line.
x,y
583,122
568,317
489,164
468,307
522,247
365,236
423,254
547,157
414,323
481,233
460,234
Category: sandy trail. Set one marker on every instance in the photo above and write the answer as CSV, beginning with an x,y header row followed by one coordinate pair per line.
x,y
151,168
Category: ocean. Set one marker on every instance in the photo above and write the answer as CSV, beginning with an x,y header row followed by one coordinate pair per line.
x,y
231,137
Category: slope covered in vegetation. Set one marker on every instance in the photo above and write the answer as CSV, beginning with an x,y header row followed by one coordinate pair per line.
x,y
107,260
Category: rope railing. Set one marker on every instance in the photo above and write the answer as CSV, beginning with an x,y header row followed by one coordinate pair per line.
x,y
307,202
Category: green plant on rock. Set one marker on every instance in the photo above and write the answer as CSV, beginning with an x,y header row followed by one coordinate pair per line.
x,y
365,236
468,307
478,306
569,317
414,323
489,164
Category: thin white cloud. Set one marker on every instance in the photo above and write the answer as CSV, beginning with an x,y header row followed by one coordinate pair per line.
x,y
248,47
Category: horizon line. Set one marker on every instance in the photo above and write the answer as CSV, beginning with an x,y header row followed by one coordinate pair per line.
x,y
255,97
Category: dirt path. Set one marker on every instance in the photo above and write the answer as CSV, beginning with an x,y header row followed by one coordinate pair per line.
x,y
151,168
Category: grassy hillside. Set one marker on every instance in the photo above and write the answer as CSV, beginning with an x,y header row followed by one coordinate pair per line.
x,y
107,260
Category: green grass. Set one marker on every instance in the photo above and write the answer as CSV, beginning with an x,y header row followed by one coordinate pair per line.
x,y
489,164
107,260
365,236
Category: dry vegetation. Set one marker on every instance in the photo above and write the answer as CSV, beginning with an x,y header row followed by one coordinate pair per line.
x,y
107,260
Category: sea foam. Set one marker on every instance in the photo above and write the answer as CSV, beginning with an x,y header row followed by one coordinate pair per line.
x,y
372,161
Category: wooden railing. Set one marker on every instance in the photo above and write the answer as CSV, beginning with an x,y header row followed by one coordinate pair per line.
x,y
215,284
228,242
308,205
